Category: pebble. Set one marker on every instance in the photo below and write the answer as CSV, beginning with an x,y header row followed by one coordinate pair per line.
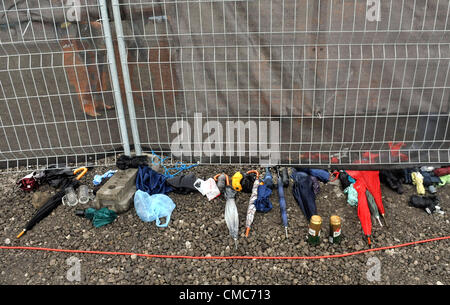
x,y
188,244
439,283
358,247
39,198
7,241
205,229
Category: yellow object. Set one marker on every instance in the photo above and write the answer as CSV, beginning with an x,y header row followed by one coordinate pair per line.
x,y
247,231
417,179
21,233
253,171
236,181
83,171
65,25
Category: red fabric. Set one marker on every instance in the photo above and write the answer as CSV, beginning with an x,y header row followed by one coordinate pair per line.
x,y
28,184
371,180
395,150
363,207
442,171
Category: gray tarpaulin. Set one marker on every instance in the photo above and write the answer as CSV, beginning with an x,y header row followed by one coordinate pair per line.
x,y
299,58
269,57
337,78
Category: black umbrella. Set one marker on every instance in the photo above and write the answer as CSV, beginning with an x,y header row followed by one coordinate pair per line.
x,y
282,200
389,178
183,184
55,177
49,206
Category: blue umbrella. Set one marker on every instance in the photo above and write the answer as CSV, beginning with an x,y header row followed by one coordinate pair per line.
x,y
304,193
268,179
151,182
263,203
321,174
284,217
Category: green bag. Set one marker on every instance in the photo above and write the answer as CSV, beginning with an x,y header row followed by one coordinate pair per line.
x,y
100,217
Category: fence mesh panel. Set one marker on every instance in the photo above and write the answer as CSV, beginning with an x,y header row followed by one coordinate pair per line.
x,y
56,100
315,82
312,82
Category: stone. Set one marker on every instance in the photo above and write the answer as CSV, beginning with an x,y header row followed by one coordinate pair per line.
x,y
118,192
40,198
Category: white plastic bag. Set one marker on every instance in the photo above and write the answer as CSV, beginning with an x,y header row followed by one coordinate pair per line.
x,y
207,188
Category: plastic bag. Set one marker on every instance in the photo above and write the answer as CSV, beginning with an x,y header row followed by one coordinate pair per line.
x,y
352,195
208,188
98,178
154,207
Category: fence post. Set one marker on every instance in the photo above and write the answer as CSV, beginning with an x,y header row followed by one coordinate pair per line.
x,y
126,76
114,77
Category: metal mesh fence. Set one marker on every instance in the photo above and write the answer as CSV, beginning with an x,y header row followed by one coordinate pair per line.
x,y
312,82
56,96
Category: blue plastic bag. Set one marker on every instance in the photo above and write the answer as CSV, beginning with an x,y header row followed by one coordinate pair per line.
x,y
352,195
152,208
98,178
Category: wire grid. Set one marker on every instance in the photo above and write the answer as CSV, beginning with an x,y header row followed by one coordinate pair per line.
x,y
311,82
53,69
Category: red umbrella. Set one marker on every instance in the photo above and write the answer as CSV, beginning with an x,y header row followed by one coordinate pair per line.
x,y
363,208
372,182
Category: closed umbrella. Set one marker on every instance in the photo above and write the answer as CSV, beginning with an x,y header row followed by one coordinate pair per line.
x,y
262,203
429,178
363,209
99,217
183,184
268,179
371,180
321,174
282,200
56,177
443,171
152,182
248,180
251,205
389,178
345,179
50,205
373,207
304,193
231,213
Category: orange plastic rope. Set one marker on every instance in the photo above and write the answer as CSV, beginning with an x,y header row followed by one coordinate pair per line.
x,y
226,257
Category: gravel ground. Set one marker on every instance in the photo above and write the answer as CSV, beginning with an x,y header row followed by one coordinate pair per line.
x,y
197,228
